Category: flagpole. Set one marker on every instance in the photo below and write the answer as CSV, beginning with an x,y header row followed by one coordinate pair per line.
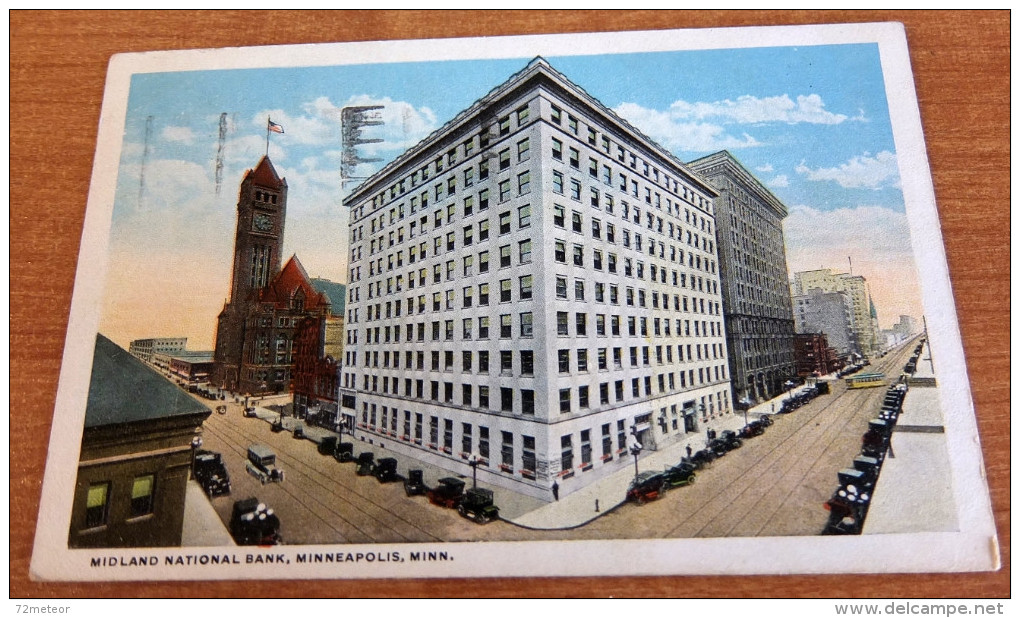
x,y
268,120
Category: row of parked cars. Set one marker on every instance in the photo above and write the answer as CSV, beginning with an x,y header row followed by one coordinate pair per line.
x,y
651,485
848,506
804,397
475,503
251,521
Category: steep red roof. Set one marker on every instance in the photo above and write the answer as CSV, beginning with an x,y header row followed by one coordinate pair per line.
x,y
285,285
264,175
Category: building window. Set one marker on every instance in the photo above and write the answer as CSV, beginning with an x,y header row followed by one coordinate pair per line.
x,y
527,362
562,323
506,399
566,454
578,255
575,190
528,456
483,403
564,360
504,291
582,360
524,216
578,289
507,451
581,322
560,252
564,400
575,221
504,190
558,215
505,326
526,325
525,287
524,183
561,287
142,495
524,252
557,149
558,183
506,362
97,505
483,439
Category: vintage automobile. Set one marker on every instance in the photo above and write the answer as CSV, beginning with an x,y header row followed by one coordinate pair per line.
x,y
327,446
366,461
298,432
680,475
385,470
211,474
253,523
477,506
414,484
752,429
718,446
702,458
262,464
249,412
277,426
447,493
646,486
731,439
344,452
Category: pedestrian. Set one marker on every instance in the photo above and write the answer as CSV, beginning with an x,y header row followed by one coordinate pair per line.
x,y
556,491
689,450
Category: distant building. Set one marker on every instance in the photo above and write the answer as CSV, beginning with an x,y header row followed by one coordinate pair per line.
x,y
863,315
814,356
755,283
828,313
318,349
191,367
135,455
146,349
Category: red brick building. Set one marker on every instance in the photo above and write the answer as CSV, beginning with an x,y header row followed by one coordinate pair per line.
x,y
812,354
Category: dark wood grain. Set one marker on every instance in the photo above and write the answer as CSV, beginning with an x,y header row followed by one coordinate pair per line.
x,y
58,60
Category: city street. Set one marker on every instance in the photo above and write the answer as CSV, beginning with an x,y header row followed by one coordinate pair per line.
x,y
775,485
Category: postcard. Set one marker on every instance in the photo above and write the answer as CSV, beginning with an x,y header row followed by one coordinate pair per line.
x,y
640,303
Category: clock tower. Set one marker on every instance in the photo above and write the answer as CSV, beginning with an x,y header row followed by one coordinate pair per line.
x,y
258,252
258,240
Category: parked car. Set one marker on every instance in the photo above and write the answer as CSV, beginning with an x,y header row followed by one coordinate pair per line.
x,y
211,474
731,439
477,506
262,464
253,523
249,412
366,461
702,458
414,484
298,432
680,475
752,429
344,452
327,446
718,446
385,470
447,493
647,486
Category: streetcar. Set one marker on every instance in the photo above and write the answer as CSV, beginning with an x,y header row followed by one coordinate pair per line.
x,y
866,380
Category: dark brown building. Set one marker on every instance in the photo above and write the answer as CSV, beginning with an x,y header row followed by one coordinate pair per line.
x,y
258,252
135,455
814,355
752,271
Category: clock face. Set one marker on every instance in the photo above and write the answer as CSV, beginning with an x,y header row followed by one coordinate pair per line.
x,y
262,222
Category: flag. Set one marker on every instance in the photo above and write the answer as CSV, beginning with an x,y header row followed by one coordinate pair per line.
x,y
275,128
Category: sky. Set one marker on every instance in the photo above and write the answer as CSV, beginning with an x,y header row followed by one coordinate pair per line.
x,y
810,122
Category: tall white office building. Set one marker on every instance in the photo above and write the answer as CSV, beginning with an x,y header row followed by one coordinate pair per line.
x,y
535,285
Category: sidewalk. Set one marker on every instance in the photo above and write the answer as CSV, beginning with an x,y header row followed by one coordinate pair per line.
x,y
570,511
202,526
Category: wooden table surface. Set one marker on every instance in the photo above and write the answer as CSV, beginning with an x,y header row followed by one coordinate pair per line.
x,y
58,60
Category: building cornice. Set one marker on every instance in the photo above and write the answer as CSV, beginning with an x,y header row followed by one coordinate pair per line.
x,y
726,162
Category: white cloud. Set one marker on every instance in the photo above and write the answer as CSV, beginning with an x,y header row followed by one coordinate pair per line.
x,y
676,135
179,134
862,171
765,168
780,181
749,109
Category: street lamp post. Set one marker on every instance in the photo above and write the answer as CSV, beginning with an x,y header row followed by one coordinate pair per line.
x,y
789,384
635,449
196,443
745,403
473,462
